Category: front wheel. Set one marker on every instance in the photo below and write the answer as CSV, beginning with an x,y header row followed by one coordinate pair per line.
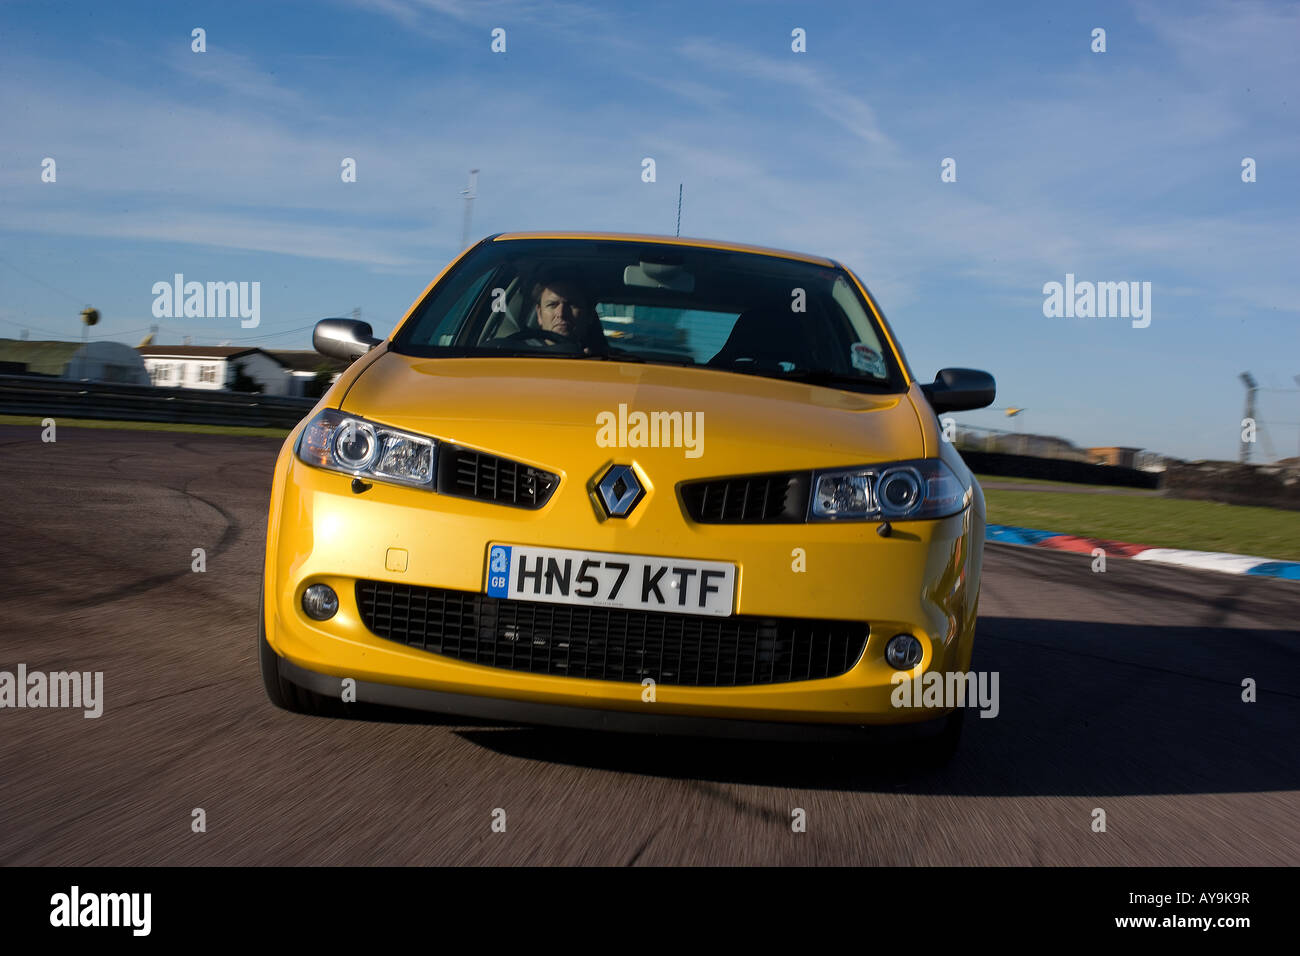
x,y
939,750
282,693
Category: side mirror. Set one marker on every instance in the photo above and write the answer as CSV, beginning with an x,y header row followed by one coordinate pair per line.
x,y
960,389
346,339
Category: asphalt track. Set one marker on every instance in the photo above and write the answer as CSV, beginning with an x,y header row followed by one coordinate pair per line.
x,y
1119,691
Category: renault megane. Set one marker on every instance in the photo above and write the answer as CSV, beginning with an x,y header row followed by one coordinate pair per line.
x,y
627,482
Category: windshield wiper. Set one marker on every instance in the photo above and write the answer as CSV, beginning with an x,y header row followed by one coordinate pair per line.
x,y
816,376
619,355
612,355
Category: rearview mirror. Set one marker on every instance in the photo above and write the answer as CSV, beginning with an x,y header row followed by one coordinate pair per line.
x,y
659,275
346,339
960,389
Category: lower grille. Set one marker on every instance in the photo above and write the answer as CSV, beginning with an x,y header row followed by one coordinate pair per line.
x,y
610,643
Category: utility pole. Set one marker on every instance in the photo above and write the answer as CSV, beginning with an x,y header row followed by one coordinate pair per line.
x,y
1251,386
679,210
469,193
1297,381
89,317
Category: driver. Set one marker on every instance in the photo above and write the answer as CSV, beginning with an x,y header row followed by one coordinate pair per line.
x,y
559,305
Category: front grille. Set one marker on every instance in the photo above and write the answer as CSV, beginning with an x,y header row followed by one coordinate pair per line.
x,y
610,643
475,474
752,499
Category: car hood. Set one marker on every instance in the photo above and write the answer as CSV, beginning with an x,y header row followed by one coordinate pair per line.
x,y
540,409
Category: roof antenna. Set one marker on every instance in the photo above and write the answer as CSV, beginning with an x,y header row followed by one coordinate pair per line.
x,y
679,210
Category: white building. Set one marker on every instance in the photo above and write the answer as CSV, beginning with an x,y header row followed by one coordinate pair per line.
x,y
214,367
303,365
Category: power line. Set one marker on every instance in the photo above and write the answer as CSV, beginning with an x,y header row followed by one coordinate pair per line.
x,y
24,325
182,331
38,279
271,335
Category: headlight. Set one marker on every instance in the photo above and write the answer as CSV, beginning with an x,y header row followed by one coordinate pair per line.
x,y
925,488
357,447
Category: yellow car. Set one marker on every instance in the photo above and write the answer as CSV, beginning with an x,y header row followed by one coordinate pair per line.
x,y
627,482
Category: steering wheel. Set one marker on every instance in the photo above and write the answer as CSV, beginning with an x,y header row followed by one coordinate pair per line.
x,y
538,333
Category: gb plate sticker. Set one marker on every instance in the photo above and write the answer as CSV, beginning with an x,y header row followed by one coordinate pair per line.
x,y
499,571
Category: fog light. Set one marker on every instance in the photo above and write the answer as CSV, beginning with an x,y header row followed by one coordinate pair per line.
x,y
320,602
904,652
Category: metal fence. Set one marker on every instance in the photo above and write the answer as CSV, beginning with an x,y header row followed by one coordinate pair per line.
x,y
54,398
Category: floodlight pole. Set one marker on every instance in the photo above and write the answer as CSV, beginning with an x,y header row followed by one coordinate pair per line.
x,y
469,193
1251,385
1297,381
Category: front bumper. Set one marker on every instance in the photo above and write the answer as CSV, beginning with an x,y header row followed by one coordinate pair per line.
x,y
646,721
923,580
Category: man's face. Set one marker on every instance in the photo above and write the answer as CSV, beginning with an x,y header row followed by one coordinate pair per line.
x,y
560,309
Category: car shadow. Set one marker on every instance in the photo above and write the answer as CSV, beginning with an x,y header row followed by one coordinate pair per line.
x,y
1084,709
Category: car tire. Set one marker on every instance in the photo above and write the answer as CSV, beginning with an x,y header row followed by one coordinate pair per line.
x,y
282,693
944,747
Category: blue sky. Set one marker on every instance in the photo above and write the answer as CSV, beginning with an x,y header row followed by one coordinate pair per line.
x,y
1115,166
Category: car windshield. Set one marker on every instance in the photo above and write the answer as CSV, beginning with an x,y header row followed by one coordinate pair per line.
x,y
635,301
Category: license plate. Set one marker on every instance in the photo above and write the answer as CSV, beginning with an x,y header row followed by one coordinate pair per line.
x,y
633,581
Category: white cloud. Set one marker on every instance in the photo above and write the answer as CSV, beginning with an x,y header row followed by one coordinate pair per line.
x,y
827,97
233,73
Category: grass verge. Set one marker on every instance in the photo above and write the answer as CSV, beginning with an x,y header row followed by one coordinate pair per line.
x,y
1158,522
1046,483
35,421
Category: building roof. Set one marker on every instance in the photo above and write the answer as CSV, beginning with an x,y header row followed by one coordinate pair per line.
x,y
46,357
201,351
1044,439
193,351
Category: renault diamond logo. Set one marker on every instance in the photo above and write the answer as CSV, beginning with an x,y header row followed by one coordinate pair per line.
x,y
620,491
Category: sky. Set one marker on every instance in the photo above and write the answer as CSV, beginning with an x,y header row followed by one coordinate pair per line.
x,y
1122,165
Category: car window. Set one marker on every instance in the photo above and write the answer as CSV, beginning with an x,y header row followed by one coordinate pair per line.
x,y
692,335
443,324
639,301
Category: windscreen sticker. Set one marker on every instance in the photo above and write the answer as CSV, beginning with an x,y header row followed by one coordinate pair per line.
x,y
867,359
